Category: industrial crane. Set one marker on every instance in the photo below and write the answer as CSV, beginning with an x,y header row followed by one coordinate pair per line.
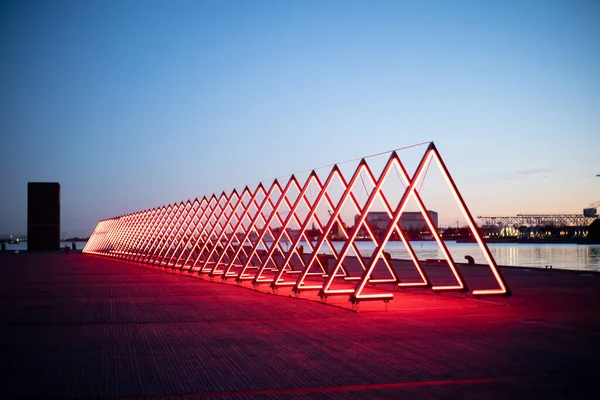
x,y
591,210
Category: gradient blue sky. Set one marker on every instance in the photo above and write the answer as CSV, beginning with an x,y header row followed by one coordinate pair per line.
x,y
133,104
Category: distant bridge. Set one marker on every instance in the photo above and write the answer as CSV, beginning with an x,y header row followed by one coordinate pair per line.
x,y
537,220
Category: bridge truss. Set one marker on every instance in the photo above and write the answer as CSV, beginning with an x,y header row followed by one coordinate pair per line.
x,y
247,235
539,220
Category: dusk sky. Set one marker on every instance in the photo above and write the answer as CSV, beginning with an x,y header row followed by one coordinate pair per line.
x,y
134,104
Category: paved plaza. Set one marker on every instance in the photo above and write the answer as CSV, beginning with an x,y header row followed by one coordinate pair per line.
x,y
74,326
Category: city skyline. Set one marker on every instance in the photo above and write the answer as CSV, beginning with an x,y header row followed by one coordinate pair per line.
x,y
130,106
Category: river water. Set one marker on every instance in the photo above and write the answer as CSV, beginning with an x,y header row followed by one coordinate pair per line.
x,y
23,245
537,255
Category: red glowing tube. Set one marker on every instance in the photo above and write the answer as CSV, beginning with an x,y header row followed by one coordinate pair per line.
x,y
108,244
283,232
261,241
503,287
211,229
413,256
278,280
186,233
329,204
197,232
176,234
232,225
461,285
103,239
394,275
140,229
266,229
134,220
379,249
375,256
314,218
132,226
182,234
241,229
215,225
433,230
167,238
263,262
274,215
326,290
124,232
122,238
133,239
238,213
169,235
121,246
502,290
110,237
258,276
291,215
157,235
100,244
256,213
204,241
124,248
424,279
149,234
113,235
90,246
233,204
159,238
206,226
193,228
300,282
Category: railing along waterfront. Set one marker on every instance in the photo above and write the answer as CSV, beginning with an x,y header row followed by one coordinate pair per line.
x,y
259,235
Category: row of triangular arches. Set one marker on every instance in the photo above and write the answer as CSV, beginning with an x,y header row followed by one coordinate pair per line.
x,y
246,236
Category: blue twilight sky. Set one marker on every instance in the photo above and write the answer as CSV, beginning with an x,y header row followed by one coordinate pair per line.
x,y
133,104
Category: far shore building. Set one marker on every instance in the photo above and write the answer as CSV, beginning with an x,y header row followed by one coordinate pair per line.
x,y
409,220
